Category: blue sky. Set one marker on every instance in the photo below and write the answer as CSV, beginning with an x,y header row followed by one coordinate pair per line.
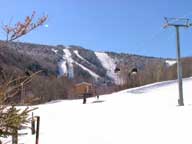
x,y
129,26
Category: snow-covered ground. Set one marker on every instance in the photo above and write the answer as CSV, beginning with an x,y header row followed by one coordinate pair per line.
x,y
143,115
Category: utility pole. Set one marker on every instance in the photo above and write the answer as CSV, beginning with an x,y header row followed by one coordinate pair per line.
x,y
177,23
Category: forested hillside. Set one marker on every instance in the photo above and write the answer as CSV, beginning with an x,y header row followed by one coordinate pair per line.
x,y
62,67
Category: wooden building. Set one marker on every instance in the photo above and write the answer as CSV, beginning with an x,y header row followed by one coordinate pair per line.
x,y
84,88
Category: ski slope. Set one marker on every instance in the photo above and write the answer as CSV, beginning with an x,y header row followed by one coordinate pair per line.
x,y
171,62
93,74
109,64
66,65
143,115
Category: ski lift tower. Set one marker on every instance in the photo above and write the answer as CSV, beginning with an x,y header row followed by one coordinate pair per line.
x,y
177,23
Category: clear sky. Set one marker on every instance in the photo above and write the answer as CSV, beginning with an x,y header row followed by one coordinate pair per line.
x,y
130,26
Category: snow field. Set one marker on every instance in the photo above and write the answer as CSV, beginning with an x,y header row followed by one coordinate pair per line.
x,y
147,114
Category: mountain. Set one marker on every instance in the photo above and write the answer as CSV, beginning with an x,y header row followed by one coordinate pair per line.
x,y
147,114
64,66
72,61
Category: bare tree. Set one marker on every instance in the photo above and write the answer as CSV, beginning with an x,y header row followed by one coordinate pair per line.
x,y
22,28
11,118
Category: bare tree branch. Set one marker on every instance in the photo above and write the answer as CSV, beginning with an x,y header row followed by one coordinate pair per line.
x,y
22,28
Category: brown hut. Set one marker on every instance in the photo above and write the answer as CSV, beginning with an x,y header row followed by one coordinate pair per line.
x,y
84,88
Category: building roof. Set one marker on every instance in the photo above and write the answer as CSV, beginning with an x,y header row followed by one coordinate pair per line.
x,y
83,83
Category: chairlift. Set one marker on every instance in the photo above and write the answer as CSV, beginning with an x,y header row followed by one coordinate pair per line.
x,y
134,71
117,70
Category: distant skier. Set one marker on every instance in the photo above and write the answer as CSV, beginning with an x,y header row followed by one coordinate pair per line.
x,y
97,95
84,98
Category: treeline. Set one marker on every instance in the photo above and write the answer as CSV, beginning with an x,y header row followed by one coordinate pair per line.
x,y
47,88
156,73
44,88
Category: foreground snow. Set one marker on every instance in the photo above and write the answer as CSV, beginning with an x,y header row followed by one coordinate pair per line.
x,y
145,115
